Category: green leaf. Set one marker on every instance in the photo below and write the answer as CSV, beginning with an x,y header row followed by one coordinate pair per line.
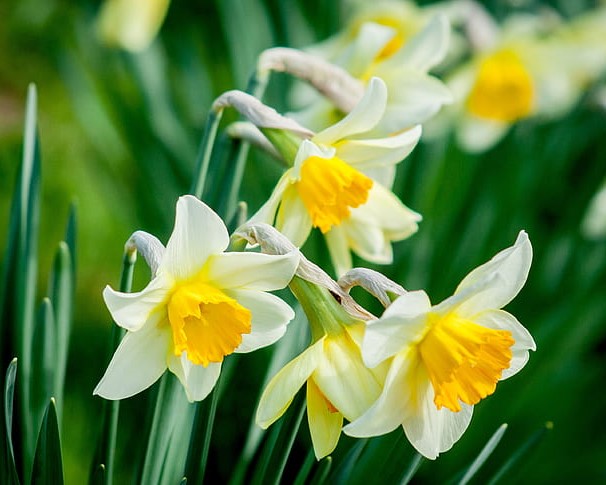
x,y
322,471
484,454
521,453
48,464
43,361
168,441
61,291
10,473
18,310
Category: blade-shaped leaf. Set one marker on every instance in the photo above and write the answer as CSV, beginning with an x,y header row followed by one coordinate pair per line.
x,y
484,454
48,464
10,473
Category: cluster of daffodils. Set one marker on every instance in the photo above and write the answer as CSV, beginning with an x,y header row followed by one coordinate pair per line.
x,y
419,366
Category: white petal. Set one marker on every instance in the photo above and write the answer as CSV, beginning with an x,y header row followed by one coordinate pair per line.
x,y
282,388
384,210
378,152
344,379
267,212
198,233
138,362
501,320
132,310
370,41
388,412
197,380
429,430
306,150
270,315
402,324
293,220
413,98
368,241
324,424
504,276
252,271
336,240
428,48
362,118
477,135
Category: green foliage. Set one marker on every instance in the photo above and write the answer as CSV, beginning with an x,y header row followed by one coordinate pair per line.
x,y
132,137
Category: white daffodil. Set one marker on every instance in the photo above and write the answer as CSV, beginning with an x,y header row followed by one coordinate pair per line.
x,y
516,72
340,184
339,385
384,48
447,357
201,305
131,24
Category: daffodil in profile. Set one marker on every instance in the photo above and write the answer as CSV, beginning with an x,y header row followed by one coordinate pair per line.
x,y
445,358
201,305
340,183
338,384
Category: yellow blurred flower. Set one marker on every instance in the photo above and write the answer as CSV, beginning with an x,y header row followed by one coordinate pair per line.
x,y
131,24
445,358
201,305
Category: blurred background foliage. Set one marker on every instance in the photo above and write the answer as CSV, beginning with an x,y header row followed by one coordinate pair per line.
x,y
119,134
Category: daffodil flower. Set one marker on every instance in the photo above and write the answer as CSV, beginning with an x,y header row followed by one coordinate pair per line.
x,y
340,183
201,305
375,50
338,384
445,358
517,72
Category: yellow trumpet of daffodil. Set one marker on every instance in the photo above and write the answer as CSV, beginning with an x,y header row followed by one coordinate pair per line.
x,y
445,358
201,305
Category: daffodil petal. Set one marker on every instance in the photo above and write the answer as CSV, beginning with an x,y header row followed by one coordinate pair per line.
x,y
428,48
282,388
198,233
389,410
270,315
362,118
197,380
138,362
344,379
293,219
370,41
383,209
132,310
417,98
502,320
336,240
324,424
377,152
429,430
367,241
504,276
267,212
252,271
401,325
476,135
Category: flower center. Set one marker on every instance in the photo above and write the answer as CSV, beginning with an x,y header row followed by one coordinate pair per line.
x,y
389,49
206,323
464,360
503,90
329,188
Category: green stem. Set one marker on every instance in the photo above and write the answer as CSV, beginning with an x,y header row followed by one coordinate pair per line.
x,y
205,152
111,409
